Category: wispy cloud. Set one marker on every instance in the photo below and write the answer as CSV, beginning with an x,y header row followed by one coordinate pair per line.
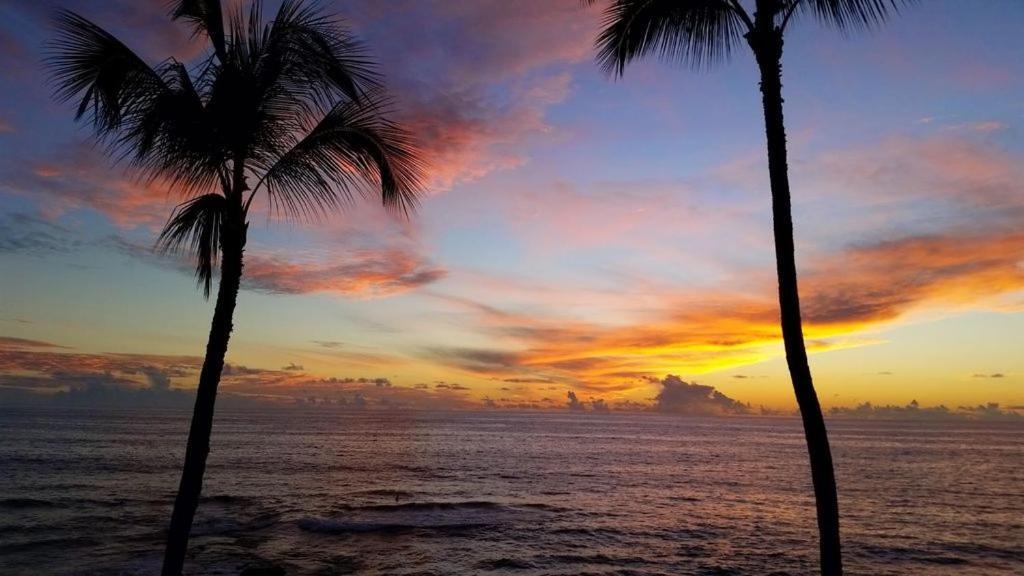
x,y
363,274
26,233
845,293
484,74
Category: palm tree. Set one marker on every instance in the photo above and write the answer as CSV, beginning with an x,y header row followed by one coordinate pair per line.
x,y
292,104
703,32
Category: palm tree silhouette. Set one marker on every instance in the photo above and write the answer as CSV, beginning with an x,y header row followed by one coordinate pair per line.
x,y
703,32
292,103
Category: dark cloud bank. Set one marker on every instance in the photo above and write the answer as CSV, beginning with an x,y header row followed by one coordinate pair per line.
x,y
679,397
991,411
37,373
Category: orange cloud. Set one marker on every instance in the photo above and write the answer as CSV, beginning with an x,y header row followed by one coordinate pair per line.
x,y
844,294
882,281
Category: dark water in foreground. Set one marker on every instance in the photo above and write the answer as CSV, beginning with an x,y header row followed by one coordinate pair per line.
x,y
488,493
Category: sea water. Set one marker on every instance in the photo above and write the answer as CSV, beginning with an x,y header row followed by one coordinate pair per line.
x,y
317,491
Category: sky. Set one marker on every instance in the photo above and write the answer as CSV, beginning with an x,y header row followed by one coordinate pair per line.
x,y
609,238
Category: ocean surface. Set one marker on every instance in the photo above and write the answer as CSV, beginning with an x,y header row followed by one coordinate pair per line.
x,y
318,492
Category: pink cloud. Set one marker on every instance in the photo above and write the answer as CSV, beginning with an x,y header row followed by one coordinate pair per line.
x,y
358,273
80,177
932,166
465,137
476,78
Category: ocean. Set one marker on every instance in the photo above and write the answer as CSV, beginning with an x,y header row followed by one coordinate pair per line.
x,y
317,492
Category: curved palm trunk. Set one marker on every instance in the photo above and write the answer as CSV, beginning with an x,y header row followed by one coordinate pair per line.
x,y
769,56
202,416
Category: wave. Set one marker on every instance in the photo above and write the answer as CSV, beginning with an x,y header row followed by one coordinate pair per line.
x,y
22,503
504,564
444,506
430,506
328,526
60,542
383,493
407,516
338,527
30,503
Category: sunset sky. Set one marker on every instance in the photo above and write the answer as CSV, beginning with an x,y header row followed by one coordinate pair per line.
x,y
580,233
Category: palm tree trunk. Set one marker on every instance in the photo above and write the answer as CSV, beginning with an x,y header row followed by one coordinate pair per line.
x,y
770,62
202,416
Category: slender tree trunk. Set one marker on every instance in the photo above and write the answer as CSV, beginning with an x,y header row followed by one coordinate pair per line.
x,y
769,56
233,244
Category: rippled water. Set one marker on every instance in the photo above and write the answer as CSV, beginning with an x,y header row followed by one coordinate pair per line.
x,y
501,493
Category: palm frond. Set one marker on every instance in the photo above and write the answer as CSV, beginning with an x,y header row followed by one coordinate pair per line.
x,y
698,33
355,148
112,80
319,53
205,16
153,117
195,227
849,14
278,75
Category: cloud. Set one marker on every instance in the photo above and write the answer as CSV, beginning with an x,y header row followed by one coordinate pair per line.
x,y
843,293
102,390
47,364
484,75
378,382
359,273
882,267
914,411
143,25
574,404
34,372
331,344
158,379
474,359
26,233
478,90
292,366
474,41
467,137
890,179
980,126
992,375
679,397
12,343
881,281
78,176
